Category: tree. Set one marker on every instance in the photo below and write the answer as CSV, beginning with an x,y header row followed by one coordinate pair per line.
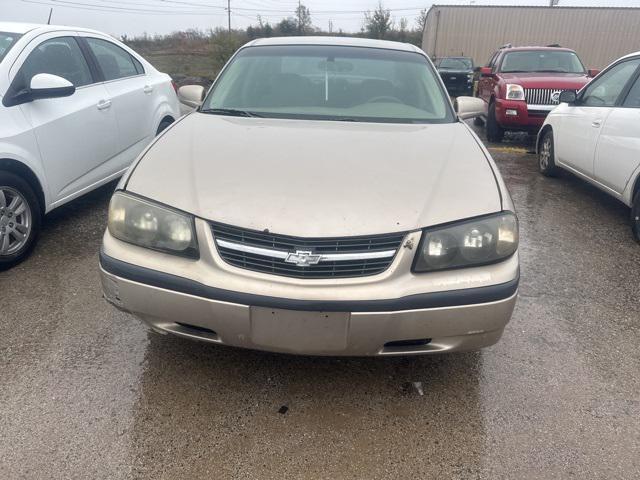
x,y
287,27
378,23
422,19
304,20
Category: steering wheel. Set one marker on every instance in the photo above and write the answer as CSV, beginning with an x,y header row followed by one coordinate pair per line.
x,y
384,98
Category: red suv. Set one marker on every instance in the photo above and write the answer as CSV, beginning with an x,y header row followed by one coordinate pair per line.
x,y
522,85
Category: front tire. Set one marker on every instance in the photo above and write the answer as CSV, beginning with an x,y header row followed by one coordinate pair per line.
x,y
20,219
495,133
163,125
546,155
635,217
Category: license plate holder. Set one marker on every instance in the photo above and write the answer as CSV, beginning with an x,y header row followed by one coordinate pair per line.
x,y
299,331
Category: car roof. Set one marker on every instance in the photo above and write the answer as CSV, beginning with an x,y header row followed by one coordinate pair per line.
x,y
533,47
22,28
336,41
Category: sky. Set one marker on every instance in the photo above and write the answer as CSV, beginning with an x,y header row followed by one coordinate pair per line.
x,y
134,17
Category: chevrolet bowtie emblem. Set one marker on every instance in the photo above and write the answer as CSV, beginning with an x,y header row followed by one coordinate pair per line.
x,y
303,259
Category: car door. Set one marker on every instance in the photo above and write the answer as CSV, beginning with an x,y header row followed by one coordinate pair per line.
x,y
132,94
578,127
486,83
618,151
76,135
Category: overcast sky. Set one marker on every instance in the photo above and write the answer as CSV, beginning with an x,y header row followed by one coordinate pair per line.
x,y
132,17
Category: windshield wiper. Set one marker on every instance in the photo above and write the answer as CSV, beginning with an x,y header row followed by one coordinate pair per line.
x,y
230,111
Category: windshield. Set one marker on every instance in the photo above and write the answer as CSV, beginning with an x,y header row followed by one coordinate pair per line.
x,y
456,64
560,61
330,83
6,42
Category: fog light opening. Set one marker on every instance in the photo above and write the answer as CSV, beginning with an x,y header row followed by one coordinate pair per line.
x,y
420,342
198,330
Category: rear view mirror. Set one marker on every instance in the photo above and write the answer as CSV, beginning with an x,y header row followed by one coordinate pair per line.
x,y
592,72
191,95
469,107
42,85
567,96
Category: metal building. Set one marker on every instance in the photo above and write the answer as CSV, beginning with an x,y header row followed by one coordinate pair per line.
x,y
599,35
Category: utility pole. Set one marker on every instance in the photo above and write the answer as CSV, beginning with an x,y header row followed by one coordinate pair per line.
x,y
299,18
229,13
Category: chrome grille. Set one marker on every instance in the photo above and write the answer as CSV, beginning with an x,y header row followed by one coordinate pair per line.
x,y
541,96
340,257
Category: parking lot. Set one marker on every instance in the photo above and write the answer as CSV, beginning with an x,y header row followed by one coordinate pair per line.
x,y
88,392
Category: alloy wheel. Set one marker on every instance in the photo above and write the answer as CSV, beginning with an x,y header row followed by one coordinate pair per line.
x,y
15,221
545,153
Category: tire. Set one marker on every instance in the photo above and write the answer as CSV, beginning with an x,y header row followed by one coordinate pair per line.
x,y
478,121
163,125
546,155
495,133
635,217
20,220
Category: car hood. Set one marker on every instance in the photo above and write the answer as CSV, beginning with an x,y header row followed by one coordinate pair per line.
x,y
318,178
453,72
556,81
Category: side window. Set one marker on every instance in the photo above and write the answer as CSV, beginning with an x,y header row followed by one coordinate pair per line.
x,y
633,98
605,90
492,61
138,65
113,60
58,56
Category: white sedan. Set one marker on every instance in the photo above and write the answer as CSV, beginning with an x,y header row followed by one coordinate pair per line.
x,y
595,134
77,107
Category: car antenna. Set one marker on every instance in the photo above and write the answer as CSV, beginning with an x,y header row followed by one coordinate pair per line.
x,y
50,13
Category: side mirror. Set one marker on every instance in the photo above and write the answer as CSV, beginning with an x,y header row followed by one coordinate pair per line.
x,y
191,95
486,71
42,85
469,107
568,96
592,72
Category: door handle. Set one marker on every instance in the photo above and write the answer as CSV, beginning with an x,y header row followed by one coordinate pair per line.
x,y
104,104
596,123
147,89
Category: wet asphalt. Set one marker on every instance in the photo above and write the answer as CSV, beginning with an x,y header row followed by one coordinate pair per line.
x,y
87,392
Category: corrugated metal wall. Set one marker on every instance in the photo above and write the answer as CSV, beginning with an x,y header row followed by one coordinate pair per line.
x,y
599,35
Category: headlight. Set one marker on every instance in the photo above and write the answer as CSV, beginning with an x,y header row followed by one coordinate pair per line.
x,y
470,243
515,92
146,224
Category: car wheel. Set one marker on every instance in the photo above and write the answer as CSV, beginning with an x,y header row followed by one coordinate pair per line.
x,y
495,133
19,219
478,121
546,155
163,125
635,217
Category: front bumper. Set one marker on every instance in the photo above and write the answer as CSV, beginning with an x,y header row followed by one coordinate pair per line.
x,y
447,321
527,117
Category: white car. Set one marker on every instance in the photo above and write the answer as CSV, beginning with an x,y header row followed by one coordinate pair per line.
x,y
76,108
595,134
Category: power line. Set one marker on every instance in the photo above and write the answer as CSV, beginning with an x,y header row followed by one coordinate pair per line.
x,y
111,9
